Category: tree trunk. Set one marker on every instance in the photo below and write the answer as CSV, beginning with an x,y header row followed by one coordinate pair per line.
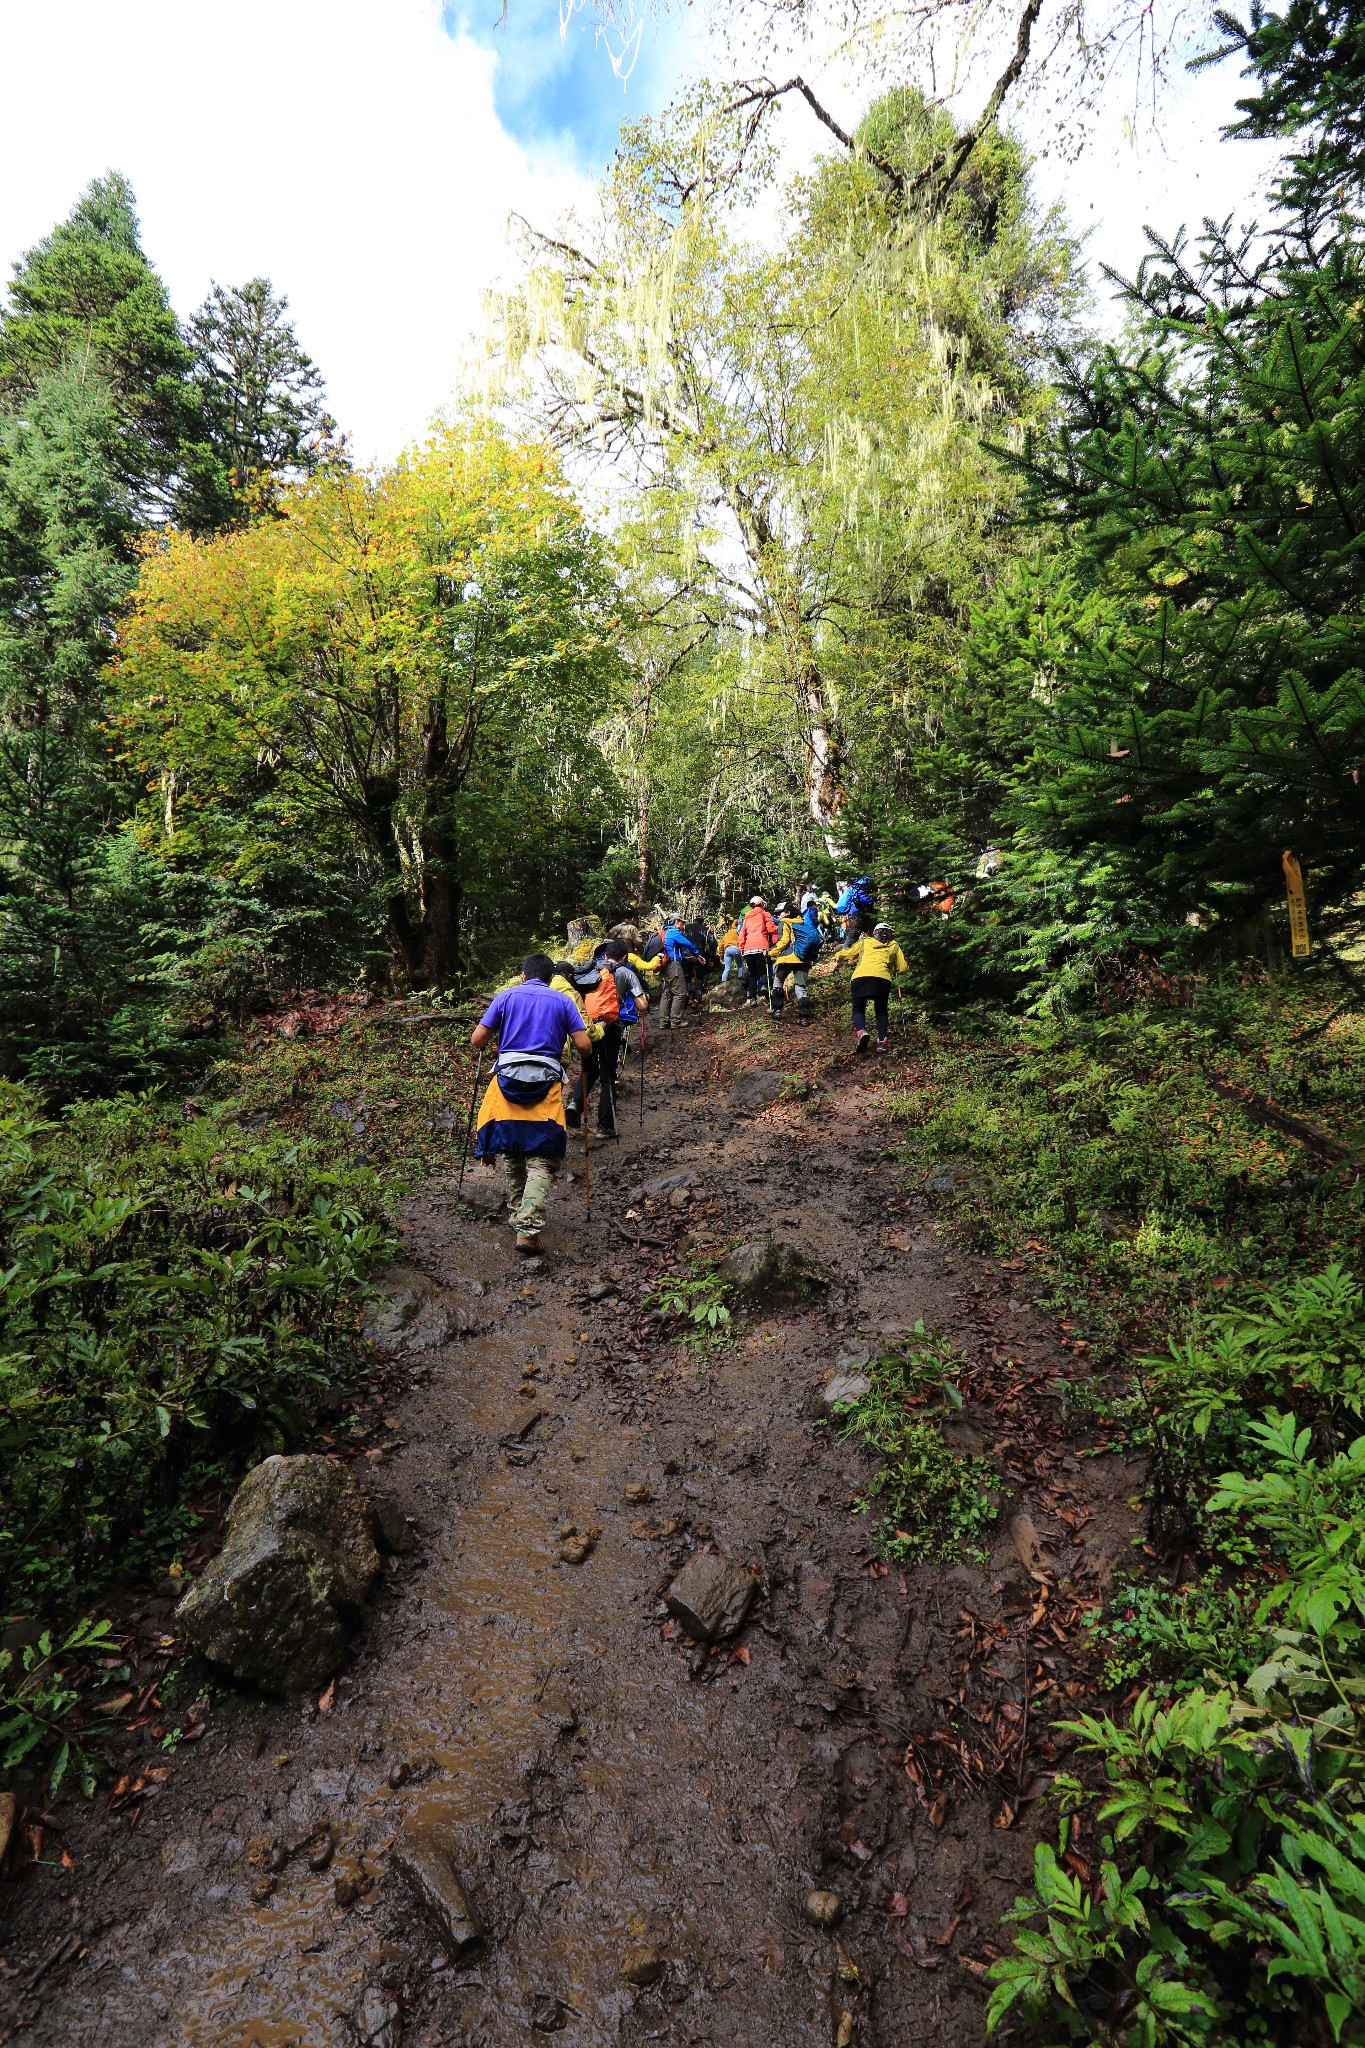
x,y
440,891
380,796
824,758
646,882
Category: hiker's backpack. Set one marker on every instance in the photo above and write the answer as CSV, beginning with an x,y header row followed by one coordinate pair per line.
x,y
600,999
806,942
856,897
653,947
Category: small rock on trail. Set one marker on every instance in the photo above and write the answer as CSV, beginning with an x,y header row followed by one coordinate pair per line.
x,y
392,1533
759,1089
422,1859
642,1965
381,2022
711,1597
768,1273
842,1391
275,1605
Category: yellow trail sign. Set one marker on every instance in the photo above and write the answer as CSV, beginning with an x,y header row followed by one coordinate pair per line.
x,y
1298,909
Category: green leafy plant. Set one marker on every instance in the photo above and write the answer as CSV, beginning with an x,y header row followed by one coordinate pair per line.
x,y
172,1302
930,1499
1230,1903
35,1700
697,1302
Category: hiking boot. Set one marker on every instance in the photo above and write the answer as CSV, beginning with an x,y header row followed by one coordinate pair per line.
x,y
883,1045
862,1042
573,1115
526,1245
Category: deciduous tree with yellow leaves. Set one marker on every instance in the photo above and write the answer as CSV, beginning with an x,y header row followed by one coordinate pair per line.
x,y
394,687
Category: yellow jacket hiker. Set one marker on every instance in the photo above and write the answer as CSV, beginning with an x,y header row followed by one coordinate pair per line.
x,y
877,961
876,956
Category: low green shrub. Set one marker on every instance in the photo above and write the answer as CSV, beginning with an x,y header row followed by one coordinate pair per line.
x,y
1124,1155
1229,1901
35,1700
694,1303
929,1499
174,1299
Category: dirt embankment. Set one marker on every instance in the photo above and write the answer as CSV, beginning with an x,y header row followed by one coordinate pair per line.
x,y
878,1733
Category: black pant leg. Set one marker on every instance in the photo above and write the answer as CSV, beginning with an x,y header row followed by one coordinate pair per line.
x,y
587,1077
608,1061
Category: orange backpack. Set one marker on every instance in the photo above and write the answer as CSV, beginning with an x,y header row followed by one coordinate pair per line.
x,y
602,1003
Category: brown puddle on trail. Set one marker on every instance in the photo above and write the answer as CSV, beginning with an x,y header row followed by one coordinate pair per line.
x,y
515,1644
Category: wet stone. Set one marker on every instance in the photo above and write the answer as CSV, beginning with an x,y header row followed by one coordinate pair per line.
x,y
422,1860
642,1964
758,1089
636,1493
381,2022
391,1531
768,1272
823,1909
549,2015
577,1546
711,1597
844,1389
275,1605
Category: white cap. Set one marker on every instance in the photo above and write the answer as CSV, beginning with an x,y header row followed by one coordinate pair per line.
x,y
756,903
880,928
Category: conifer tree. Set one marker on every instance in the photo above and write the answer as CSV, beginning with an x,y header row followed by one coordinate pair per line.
x,y
261,417
87,295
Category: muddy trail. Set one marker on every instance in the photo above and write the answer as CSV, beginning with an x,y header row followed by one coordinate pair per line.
x,y
637,1826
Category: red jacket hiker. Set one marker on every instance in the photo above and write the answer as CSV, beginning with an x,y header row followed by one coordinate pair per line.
x,y
757,932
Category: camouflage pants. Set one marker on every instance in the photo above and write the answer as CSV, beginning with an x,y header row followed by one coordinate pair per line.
x,y
528,1184
675,994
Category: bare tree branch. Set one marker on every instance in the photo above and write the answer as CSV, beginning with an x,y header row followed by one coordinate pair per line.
x,y
941,173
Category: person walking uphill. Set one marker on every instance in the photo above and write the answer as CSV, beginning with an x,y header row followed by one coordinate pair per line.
x,y
521,1118
876,960
795,953
677,948
613,996
756,933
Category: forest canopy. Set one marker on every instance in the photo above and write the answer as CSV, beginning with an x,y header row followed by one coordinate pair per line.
x,y
899,568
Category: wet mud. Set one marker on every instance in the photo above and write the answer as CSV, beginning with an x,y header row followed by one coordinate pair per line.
x,y
637,1826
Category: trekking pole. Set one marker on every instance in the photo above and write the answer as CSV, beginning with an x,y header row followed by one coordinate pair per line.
x,y
587,1171
473,1110
642,1073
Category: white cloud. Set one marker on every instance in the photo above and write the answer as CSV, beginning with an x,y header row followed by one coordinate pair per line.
x,y
350,150
346,149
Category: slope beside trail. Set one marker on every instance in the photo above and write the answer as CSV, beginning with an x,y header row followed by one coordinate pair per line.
x,y
880,1733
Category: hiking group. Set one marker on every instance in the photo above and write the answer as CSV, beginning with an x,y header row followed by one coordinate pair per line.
x,y
593,999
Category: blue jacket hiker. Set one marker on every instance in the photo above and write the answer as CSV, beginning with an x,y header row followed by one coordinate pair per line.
x,y
677,949
521,1117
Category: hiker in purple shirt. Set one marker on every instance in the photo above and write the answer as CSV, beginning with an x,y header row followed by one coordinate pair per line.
x,y
521,1120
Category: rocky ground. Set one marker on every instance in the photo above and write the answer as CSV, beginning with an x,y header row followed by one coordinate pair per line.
x,y
524,1735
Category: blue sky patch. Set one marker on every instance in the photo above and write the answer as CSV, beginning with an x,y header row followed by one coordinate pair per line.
x,y
557,92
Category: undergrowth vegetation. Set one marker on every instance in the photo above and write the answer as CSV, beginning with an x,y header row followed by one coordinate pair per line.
x,y
178,1296
928,1498
1178,1184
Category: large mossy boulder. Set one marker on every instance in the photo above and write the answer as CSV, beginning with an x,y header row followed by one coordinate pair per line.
x,y
769,1273
278,1602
